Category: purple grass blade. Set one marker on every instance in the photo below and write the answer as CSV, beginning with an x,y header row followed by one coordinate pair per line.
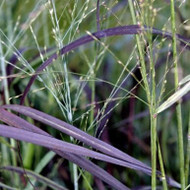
x,y
14,120
98,15
95,170
146,188
76,133
52,143
33,174
26,111
117,31
20,123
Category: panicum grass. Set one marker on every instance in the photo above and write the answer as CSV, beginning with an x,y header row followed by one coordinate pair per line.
x,y
90,72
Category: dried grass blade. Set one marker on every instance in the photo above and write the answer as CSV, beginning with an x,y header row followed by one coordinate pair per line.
x,y
184,80
174,98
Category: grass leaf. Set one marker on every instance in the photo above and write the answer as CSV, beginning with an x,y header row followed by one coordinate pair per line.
x,y
174,98
80,161
184,80
116,156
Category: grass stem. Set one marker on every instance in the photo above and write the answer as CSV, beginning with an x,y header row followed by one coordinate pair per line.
x,y
164,182
187,155
178,107
151,96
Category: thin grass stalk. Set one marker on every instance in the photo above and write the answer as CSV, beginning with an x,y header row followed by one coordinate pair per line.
x,y
153,121
93,90
187,155
87,179
67,87
92,73
92,76
150,96
152,108
178,107
187,187
164,138
164,182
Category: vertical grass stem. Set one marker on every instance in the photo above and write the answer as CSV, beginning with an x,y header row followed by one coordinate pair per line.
x,y
178,107
187,155
151,96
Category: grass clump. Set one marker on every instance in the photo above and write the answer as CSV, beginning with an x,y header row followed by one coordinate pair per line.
x,y
97,94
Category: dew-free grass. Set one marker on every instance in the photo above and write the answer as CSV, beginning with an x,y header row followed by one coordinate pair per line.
x,y
84,72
